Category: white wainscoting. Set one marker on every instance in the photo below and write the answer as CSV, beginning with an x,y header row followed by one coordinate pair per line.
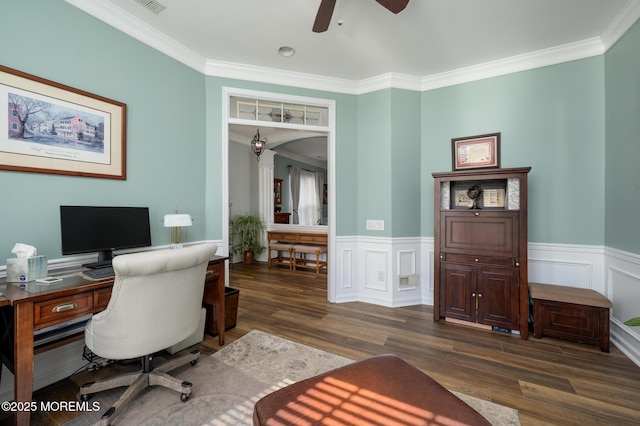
x,y
376,264
623,288
369,270
569,265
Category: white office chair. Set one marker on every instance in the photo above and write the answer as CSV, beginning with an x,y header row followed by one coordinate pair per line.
x,y
155,303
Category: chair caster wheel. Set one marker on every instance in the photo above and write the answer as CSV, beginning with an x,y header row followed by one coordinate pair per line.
x,y
184,397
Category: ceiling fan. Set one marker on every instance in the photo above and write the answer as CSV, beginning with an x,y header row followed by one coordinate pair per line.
x,y
325,11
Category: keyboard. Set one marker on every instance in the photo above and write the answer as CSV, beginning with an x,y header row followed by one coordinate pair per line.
x,y
100,273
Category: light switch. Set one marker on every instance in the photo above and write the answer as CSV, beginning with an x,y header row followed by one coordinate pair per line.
x,y
375,225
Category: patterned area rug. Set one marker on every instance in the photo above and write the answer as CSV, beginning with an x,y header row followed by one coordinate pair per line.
x,y
227,385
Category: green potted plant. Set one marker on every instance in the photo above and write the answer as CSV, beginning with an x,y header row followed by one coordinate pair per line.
x,y
633,322
247,231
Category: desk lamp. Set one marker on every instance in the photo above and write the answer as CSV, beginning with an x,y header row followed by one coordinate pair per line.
x,y
176,222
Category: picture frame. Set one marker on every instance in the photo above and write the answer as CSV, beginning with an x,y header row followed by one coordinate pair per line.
x,y
476,152
48,127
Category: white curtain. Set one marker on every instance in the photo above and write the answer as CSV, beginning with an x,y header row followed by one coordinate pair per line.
x,y
294,192
310,201
319,178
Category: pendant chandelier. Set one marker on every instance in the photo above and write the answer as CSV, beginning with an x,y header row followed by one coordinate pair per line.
x,y
257,144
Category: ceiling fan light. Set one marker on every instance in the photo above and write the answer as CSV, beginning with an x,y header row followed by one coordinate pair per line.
x,y
286,51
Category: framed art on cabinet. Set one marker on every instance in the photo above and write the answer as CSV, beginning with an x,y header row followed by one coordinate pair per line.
x,y
476,152
47,127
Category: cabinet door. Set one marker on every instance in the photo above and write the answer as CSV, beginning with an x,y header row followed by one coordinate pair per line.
x,y
474,232
458,292
498,297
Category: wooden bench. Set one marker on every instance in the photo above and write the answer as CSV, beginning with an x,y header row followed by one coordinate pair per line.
x,y
304,262
293,242
576,314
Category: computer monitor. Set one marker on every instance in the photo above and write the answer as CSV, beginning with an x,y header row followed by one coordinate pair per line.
x,y
88,229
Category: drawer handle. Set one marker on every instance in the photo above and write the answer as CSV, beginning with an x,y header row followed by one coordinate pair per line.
x,y
65,307
477,260
210,272
477,214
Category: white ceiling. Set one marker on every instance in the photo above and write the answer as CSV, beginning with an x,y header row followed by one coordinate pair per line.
x,y
429,37
300,145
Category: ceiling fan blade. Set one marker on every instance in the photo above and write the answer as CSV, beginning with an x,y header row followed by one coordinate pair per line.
x,y
395,6
323,18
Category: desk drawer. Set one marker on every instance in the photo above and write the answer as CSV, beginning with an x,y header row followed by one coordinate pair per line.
x,y
101,299
214,270
282,236
61,309
313,238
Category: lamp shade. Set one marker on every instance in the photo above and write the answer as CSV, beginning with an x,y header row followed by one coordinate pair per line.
x,y
171,220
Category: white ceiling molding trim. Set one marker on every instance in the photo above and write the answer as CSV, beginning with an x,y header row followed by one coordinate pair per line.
x,y
141,31
529,61
385,81
276,76
621,23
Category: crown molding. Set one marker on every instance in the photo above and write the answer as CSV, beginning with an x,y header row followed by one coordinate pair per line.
x,y
541,58
245,72
126,23
621,23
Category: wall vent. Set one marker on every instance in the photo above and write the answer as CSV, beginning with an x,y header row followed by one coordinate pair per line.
x,y
153,5
408,281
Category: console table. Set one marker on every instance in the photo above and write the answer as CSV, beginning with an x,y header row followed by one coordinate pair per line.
x,y
34,306
297,242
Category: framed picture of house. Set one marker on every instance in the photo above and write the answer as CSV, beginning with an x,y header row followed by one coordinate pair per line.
x,y
476,152
47,127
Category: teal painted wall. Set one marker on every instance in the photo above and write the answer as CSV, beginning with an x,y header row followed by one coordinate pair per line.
x,y
405,163
389,162
165,132
551,119
374,162
622,83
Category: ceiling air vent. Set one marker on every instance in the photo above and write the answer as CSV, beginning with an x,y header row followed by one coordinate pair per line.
x,y
153,5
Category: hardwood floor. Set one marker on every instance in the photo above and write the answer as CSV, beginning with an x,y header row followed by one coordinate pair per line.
x,y
549,381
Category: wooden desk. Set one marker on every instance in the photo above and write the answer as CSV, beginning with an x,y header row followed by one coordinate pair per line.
x,y
37,306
